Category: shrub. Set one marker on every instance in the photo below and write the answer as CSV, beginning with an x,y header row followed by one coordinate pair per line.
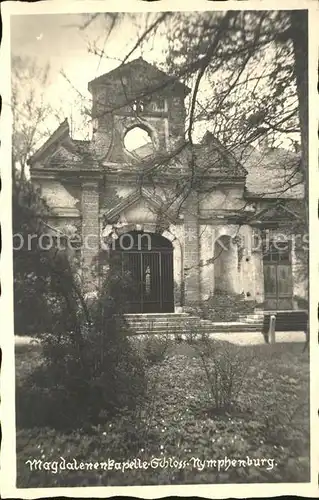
x,y
223,306
90,369
154,348
29,211
225,368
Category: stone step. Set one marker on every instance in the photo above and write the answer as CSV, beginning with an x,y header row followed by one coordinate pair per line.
x,y
161,319
162,329
237,329
140,326
162,333
163,326
182,323
167,323
156,315
238,321
165,329
251,315
229,326
249,320
212,328
163,322
233,327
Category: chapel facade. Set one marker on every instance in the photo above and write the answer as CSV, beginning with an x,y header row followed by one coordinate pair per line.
x,y
186,221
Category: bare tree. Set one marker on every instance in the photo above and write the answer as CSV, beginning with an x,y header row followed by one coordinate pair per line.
x,y
242,68
30,111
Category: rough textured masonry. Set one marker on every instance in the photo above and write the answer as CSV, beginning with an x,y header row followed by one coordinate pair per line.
x,y
204,242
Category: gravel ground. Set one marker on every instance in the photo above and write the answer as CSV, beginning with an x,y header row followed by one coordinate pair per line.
x,y
239,338
255,338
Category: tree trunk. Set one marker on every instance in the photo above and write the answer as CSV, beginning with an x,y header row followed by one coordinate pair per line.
x,y
299,25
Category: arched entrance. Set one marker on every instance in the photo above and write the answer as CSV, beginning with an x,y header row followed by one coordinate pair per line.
x,y
147,260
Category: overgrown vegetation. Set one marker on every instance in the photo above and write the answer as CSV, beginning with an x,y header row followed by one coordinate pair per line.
x,y
227,307
91,391
225,367
223,306
89,366
269,418
32,311
153,348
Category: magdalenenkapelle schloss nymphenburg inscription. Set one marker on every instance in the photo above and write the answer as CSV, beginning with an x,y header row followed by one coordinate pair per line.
x,y
156,462
160,248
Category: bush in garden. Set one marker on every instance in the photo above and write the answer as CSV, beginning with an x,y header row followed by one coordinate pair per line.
x,y
225,368
29,211
90,369
224,306
35,268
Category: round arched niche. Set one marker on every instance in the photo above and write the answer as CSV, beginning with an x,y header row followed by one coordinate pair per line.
x,y
225,264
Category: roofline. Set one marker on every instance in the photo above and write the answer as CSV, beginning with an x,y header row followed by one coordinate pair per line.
x,y
170,79
111,214
62,130
267,196
216,142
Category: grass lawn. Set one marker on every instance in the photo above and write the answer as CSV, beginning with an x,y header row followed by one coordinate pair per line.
x,y
270,420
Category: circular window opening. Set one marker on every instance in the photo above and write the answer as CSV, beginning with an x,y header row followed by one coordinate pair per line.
x,y
139,142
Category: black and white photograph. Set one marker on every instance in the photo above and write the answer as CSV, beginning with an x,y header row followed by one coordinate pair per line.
x,y
158,318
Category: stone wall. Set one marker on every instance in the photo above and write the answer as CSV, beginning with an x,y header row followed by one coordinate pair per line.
x,y
222,198
112,118
251,264
60,196
176,234
196,274
192,283
176,120
207,237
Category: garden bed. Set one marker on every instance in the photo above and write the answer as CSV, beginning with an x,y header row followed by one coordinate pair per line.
x,y
179,421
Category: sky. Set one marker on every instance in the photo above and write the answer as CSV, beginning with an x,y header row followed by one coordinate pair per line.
x,y
57,39
60,41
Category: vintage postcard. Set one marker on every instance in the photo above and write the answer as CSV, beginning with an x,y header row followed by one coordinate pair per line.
x,y
159,265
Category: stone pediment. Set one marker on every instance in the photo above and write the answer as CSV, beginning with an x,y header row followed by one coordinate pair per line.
x,y
142,204
146,77
215,161
60,151
61,134
276,213
63,158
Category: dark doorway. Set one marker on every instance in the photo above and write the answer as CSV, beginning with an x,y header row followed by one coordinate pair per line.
x,y
146,260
